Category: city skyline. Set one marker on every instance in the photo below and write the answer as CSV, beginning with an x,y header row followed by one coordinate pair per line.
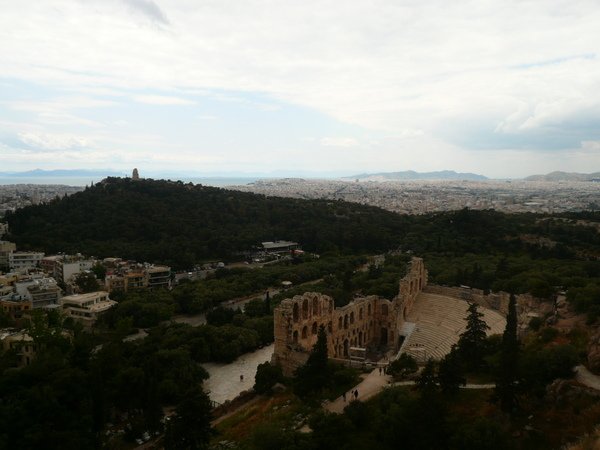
x,y
505,90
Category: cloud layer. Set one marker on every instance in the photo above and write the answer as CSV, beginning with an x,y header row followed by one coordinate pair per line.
x,y
478,85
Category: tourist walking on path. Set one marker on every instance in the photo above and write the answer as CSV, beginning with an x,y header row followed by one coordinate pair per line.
x,y
356,394
344,396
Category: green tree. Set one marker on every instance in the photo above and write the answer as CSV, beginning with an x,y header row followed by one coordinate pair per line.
x,y
313,377
189,428
403,366
266,376
87,282
450,373
472,341
506,384
427,381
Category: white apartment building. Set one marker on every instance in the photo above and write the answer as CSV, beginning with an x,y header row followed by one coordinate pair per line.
x,y
86,308
24,260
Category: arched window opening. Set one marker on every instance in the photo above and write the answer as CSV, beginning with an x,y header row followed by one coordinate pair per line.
x,y
304,332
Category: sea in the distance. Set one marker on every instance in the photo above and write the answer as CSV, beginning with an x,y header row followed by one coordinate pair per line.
x,y
86,181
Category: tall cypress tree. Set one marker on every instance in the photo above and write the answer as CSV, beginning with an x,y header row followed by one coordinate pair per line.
x,y
471,344
506,384
314,375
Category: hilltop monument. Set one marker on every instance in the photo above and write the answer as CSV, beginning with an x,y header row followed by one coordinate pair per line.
x,y
135,175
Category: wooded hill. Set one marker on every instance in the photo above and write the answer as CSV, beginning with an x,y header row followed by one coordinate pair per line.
x,y
181,224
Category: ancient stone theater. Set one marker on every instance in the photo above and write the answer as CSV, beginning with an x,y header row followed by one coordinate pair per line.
x,y
365,323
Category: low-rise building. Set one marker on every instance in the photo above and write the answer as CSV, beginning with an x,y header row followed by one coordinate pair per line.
x,y
19,342
41,291
6,248
138,276
279,246
24,260
85,308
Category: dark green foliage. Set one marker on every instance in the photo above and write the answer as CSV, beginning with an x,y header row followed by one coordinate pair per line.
x,y
219,316
189,428
451,373
540,366
181,224
266,376
87,282
314,376
507,381
427,381
472,342
535,323
403,366
480,434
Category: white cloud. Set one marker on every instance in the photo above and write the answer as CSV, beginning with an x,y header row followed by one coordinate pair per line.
x,y
162,100
454,73
52,141
339,142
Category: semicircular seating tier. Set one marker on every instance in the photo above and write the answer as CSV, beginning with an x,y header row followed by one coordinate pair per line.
x,y
440,320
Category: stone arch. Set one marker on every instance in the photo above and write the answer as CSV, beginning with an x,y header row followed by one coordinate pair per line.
x,y
340,324
295,336
314,328
384,309
304,332
305,309
330,306
346,347
360,313
295,313
346,322
360,338
329,327
352,317
315,306
369,309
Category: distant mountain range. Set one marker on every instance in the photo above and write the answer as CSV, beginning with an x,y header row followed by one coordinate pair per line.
x,y
412,175
62,173
565,176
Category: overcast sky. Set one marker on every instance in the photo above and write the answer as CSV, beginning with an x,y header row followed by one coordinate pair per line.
x,y
502,88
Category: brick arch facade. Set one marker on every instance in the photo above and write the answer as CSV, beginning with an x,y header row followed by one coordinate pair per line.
x,y
365,321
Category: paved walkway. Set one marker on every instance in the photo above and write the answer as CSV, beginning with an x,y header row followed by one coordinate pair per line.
x,y
374,383
371,385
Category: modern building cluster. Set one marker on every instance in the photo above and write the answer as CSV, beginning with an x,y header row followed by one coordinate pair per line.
x,y
32,281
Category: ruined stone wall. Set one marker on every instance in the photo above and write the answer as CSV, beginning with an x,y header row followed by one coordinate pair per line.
x,y
364,322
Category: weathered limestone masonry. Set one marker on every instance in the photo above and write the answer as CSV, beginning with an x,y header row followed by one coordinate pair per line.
x,y
366,322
